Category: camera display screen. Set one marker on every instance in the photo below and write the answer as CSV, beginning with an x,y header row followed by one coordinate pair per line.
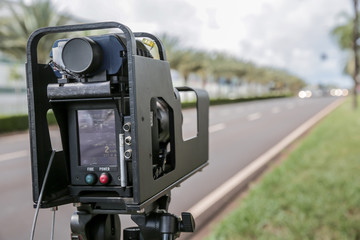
x,y
97,137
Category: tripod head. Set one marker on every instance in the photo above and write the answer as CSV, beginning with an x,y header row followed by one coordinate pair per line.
x,y
158,224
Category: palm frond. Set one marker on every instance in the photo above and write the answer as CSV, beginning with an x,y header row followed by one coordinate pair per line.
x,y
25,18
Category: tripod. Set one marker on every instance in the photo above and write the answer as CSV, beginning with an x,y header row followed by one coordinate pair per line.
x,y
158,224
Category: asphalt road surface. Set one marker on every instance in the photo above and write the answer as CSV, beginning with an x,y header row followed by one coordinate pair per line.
x,y
239,133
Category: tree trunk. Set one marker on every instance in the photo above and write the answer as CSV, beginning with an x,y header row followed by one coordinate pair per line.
x,y
355,48
219,95
186,80
203,81
355,95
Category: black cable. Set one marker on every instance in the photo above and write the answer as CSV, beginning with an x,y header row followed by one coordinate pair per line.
x,y
41,195
54,209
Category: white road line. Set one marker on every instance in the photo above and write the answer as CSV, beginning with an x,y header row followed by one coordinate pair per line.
x,y
275,110
217,127
13,155
224,189
254,116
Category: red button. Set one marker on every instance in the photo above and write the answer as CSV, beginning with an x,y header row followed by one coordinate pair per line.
x,y
104,178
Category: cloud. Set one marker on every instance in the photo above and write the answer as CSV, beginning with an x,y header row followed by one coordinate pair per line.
x,y
279,33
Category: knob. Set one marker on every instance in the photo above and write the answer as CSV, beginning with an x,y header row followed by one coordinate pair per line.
x,y
188,223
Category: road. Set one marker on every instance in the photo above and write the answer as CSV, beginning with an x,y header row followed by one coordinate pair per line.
x,y
239,133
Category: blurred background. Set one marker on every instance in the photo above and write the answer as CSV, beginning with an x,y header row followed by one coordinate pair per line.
x,y
299,52
233,49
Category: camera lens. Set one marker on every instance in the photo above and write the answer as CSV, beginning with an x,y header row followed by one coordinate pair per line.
x,y
82,55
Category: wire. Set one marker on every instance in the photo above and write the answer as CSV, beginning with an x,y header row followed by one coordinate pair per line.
x,y
41,195
54,209
57,67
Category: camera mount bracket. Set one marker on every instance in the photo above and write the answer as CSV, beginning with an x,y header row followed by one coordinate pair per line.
x,y
148,79
137,103
158,224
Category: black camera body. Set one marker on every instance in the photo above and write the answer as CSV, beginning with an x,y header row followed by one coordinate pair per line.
x,y
119,118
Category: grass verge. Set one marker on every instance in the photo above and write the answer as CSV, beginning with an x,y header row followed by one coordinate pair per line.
x,y
313,194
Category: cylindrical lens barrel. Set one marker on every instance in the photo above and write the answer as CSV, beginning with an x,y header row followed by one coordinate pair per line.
x,y
82,55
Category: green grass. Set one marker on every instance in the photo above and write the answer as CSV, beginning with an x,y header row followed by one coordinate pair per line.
x,y
313,194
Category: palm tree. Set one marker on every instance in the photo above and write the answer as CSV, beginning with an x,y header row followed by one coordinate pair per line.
x,y
224,66
343,33
191,62
174,52
185,61
355,48
203,70
22,20
347,36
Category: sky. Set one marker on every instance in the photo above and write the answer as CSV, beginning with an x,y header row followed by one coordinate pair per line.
x,y
290,35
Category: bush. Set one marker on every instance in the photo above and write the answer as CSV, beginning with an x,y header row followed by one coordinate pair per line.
x,y
220,101
13,123
20,122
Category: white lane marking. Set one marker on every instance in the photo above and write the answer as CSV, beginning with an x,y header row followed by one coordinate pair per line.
x,y
244,174
275,110
13,155
254,116
217,127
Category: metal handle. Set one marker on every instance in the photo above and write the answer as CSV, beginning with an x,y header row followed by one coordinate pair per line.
x,y
41,32
159,44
